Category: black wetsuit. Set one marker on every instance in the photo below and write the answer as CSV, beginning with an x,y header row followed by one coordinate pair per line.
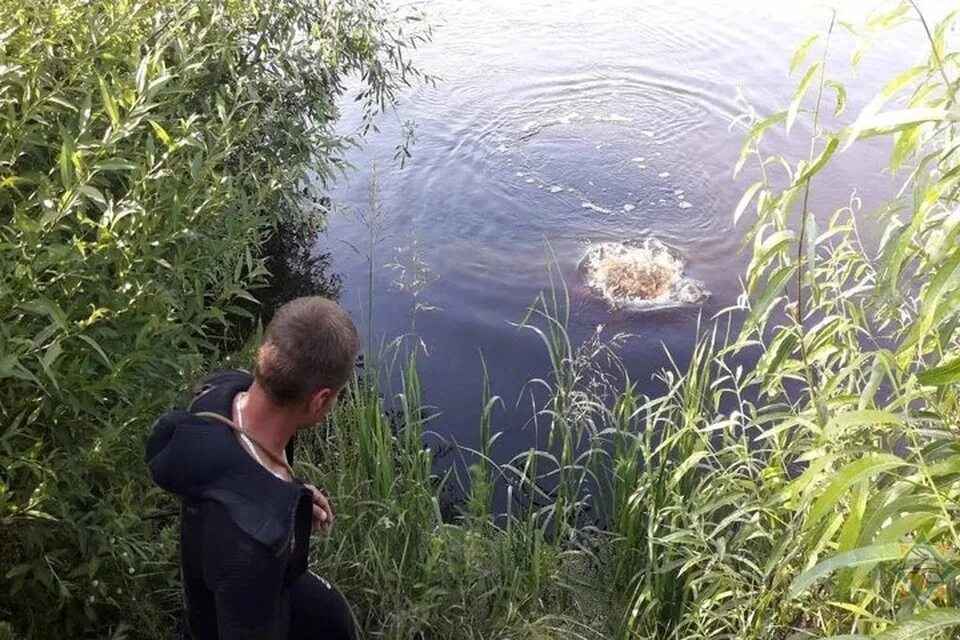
x,y
244,533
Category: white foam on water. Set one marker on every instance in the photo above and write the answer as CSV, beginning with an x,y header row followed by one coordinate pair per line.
x,y
613,117
685,205
637,159
556,189
503,148
629,207
678,192
530,181
592,207
647,133
536,125
664,174
640,275
520,174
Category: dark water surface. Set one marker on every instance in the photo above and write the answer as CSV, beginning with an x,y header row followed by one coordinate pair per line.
x,y
569,123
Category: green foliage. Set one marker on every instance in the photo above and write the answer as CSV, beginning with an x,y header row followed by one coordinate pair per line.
x,y
870,336
148,151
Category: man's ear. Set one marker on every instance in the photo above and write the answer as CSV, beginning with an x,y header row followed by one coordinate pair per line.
x,y
320,404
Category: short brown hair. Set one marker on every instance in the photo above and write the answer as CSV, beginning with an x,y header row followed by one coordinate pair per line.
x,y
311,344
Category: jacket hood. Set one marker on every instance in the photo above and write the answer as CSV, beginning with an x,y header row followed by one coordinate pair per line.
x,y
199,458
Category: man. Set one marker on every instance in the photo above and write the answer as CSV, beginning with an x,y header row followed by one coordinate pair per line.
x,y
245,519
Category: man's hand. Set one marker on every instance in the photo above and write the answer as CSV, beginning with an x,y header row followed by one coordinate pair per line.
x,y
322,512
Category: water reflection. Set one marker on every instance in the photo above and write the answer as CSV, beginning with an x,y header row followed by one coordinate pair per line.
x,y
561,125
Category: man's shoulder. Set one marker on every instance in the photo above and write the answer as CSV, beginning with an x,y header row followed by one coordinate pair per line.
x,y
218,378
215,391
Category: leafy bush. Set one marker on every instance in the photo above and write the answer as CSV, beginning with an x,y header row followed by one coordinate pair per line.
x,y
148,151
870,336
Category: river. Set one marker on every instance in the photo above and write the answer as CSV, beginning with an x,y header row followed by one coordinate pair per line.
x,y
555,125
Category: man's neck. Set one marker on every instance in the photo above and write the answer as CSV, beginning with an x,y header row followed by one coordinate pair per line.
x,y
269,424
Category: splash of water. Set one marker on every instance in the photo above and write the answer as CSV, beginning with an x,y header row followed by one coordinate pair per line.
x,y
642,275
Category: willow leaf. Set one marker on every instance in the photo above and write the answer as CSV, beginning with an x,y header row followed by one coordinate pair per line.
x,y
798,96
96,347
846,478
841,422
943,374
892,121
871,555
877,372
768,297
802,51
923,625
745,200
108,102
841,97
755,134
819,161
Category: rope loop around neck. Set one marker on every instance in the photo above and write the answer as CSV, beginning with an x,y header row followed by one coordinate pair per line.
x,y
229,423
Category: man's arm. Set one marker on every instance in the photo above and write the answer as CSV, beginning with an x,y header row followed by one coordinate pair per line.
x,y
245,578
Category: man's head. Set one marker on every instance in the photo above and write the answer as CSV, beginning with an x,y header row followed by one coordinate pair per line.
x,y
307,356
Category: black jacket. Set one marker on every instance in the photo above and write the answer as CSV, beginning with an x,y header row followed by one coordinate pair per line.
x,y
244,532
